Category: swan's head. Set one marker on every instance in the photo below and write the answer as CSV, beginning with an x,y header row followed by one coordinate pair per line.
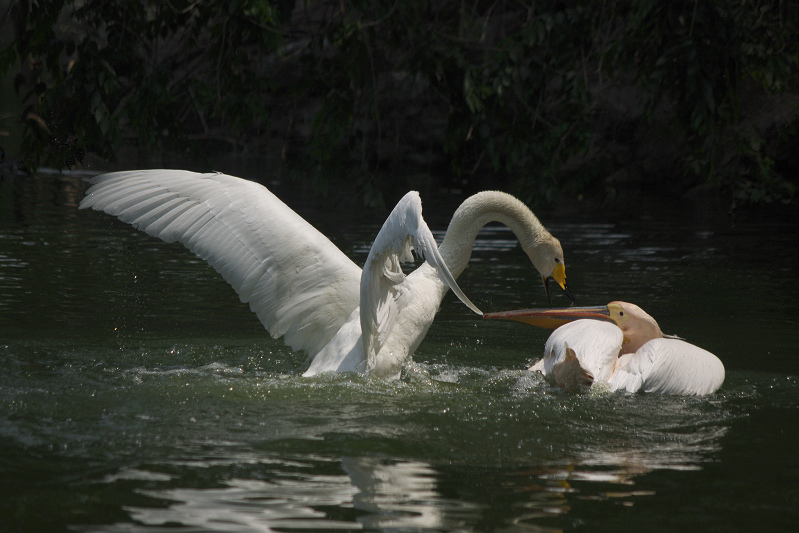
x,y
547,257
494,206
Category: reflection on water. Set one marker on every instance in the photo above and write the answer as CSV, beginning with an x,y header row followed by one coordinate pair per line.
x,y
379,493
404,494
682,451
238,479
373,494
139,394
250,505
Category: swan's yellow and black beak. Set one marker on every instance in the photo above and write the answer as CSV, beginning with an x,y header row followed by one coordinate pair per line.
x,y
553,318
559,275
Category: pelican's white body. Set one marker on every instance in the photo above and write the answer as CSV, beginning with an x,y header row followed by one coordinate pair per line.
x,y
301,286
661,365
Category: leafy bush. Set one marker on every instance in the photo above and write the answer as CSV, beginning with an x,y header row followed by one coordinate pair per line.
x,y
546,98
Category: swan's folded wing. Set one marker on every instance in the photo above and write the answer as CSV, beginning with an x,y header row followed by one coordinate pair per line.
x,y
383,283
300,285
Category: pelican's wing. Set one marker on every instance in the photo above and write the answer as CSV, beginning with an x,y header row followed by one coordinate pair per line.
x,y
383,282
596,345
299,284
669,366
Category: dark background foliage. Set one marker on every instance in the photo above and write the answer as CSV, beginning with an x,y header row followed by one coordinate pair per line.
x,y
541,98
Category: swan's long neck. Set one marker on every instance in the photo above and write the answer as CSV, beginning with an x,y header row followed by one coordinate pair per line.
x,y
477,211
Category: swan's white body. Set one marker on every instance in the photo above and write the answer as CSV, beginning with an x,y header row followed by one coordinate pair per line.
x,y
619,347
300,285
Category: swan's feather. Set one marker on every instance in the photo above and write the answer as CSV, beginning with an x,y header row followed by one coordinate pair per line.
x,y
383,282
300,285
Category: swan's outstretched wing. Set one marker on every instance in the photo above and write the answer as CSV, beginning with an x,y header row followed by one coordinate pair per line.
x,y
383,281
300,285
669,366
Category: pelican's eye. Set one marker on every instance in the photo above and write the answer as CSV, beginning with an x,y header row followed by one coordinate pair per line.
x,y
621,313
557,260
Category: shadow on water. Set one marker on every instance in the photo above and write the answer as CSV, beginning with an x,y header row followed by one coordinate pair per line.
x,y
139,394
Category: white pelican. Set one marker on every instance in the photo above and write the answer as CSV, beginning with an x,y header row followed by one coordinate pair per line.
x,y
620,345
301,286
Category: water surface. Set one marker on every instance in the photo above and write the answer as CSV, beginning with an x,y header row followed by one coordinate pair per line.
x,y
139,394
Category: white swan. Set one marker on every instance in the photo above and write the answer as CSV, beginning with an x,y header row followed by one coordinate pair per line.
x,y
301,286
619,345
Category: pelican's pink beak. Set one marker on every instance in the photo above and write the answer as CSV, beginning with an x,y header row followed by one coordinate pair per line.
x,y
552,318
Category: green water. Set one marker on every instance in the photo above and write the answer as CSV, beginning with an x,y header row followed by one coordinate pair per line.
x,y
138,394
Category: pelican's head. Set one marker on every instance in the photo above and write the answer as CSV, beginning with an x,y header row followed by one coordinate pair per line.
x,y
547,258
636,325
